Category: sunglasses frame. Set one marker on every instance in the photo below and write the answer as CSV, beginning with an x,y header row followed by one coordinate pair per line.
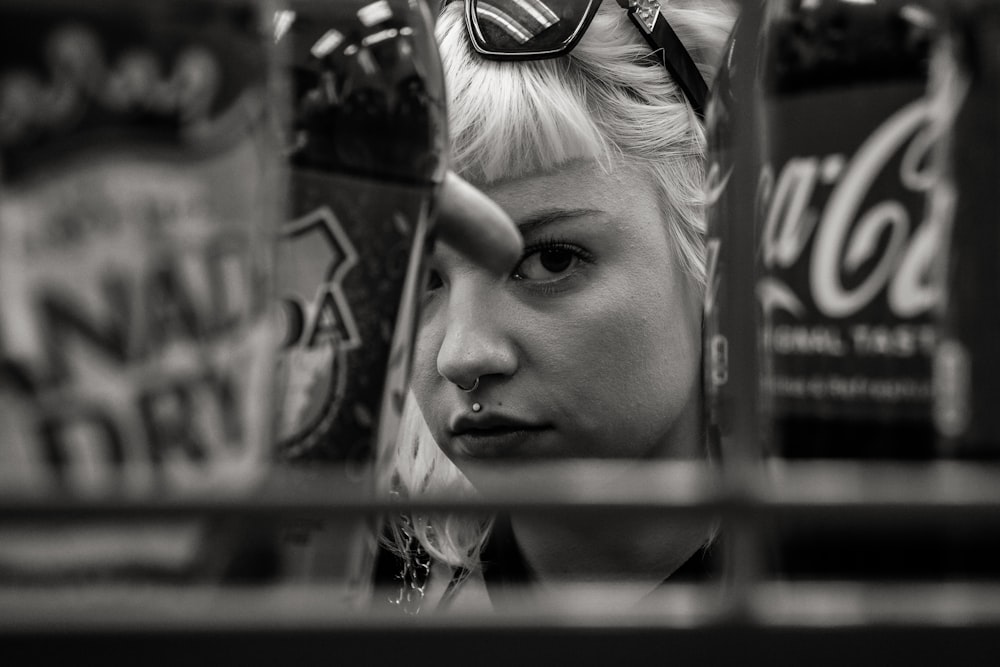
x,y
645,15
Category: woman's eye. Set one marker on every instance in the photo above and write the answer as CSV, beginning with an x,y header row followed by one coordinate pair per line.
x,y
547,263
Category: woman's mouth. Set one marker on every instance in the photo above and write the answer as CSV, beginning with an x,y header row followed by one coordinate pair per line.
x,y
494,437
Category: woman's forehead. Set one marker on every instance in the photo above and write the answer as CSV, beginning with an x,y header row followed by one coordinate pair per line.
x,y
576,185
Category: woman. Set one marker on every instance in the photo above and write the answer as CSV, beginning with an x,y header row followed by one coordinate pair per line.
x,y
590,346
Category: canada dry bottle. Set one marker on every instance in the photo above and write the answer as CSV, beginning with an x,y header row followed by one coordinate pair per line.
x,y
846,291
139,185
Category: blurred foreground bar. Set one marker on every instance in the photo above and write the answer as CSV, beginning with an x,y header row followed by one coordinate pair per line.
x,y
569,605
815,625
829,491
778,623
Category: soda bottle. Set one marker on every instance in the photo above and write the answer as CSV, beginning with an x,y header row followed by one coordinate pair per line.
x,y
140,177
965,89
846,288
966,83
733,167
735,417
367,150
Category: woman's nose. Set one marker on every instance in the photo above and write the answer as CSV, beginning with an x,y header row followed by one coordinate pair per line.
x,y
476,344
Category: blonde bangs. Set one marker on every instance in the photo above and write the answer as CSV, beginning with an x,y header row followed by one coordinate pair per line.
x,y
528,119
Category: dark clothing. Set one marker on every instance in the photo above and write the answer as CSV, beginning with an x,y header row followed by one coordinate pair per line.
x,y
504,566
505,570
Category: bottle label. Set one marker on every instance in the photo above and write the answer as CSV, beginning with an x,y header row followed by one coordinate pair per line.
x,y
847,290
137,186
343,276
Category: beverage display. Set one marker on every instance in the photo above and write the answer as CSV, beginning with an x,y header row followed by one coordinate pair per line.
x,y
848,251
366,152
139,180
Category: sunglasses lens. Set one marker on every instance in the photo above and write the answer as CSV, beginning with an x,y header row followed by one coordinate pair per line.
x,y
527,26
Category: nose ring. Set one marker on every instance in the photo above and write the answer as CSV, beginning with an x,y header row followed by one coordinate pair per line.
x,y
471,389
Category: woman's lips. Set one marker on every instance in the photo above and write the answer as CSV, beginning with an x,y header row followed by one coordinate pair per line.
x,y
498,442
489,435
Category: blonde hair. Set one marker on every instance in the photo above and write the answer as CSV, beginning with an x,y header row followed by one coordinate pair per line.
x,y
608,100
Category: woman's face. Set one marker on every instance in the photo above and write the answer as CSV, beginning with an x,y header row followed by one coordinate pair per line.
x,y
590,348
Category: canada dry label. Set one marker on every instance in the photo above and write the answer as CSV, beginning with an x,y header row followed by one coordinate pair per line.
x,y
136,192
846,290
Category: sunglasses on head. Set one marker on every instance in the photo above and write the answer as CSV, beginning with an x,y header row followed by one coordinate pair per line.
x,y
536,29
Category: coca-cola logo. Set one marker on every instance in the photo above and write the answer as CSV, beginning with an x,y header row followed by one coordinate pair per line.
x,y
80,76
844,238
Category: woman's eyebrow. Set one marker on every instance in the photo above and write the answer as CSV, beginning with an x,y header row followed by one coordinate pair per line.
x,y
546,217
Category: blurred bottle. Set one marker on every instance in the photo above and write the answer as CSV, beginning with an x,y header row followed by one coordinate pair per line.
x,y
846,290
966,87
734,166
736,423
965,90
140,178
367,152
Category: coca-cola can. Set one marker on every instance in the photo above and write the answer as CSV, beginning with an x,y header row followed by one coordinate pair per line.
x,y
140,181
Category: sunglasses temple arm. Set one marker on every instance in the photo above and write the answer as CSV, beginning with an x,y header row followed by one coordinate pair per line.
x,y
667,45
